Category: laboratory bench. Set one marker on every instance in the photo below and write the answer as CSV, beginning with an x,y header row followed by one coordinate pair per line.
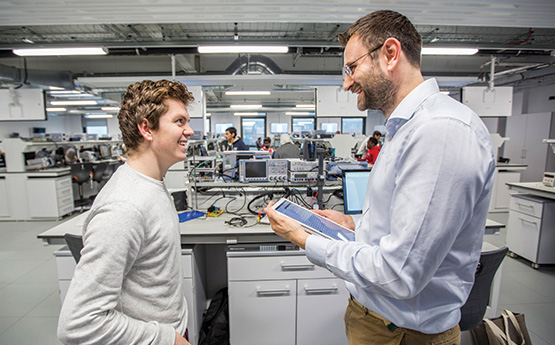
x,y
276,295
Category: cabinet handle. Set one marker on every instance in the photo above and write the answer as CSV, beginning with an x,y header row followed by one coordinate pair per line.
x,y
273,292
527,221
524,205
320,290
297,267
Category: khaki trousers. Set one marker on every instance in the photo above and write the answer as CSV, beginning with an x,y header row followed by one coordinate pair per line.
x,y
365,327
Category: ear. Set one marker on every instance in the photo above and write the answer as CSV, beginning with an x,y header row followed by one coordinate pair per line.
x,y
144,129
392,53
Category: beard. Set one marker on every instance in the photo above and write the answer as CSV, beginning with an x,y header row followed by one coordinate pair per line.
x,y
378,92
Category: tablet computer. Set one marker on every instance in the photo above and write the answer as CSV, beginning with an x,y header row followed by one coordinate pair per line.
x,y
314,223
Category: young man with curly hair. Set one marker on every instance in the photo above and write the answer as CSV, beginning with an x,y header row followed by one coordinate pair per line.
x,y
127,286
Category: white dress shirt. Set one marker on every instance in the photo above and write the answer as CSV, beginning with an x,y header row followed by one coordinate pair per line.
x,y
420,235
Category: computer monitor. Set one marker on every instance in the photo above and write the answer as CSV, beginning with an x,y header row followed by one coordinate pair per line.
x,y
354,190
279,127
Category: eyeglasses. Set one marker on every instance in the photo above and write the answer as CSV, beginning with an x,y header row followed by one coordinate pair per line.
x,y
350,68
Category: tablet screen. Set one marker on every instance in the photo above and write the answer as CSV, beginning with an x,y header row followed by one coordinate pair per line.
x,y
314,221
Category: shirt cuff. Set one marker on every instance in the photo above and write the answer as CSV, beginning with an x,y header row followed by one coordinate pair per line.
x,y
315,248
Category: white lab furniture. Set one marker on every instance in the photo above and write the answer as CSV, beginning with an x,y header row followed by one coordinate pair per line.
x,y
192,258
281,298
531,228
500,195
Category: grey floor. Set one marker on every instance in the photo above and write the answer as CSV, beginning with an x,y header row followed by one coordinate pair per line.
x,y
30,304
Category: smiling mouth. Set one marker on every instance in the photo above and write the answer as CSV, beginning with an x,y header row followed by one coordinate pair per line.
x,y
182,143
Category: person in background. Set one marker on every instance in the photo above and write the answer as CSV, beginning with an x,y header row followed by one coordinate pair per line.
x,y
287,148
127,286
420,235
266,147
259,143
234,143
378,136
373,151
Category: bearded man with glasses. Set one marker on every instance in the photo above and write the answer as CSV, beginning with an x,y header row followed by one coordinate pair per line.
x,y
419,238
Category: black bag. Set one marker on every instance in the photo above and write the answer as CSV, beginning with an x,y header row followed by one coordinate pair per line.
x,y
180,200
215,323
509,328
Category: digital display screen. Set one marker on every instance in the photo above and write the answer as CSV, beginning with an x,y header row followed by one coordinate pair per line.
x,y
279,127
355,184
255,169
314,221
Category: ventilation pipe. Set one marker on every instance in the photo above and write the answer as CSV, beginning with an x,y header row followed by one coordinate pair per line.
x,y
253,64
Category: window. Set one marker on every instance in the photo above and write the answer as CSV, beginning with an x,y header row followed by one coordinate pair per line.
x,y
329,127
96,126
221,127
352,125
279,127
252,129
303,124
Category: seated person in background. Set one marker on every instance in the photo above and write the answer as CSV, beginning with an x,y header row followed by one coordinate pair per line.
x,y
266,147
373,150
287,148
259,143
234,143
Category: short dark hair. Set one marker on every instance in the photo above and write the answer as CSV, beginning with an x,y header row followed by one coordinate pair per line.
x,y
377,133
268,140
376,27
373,140
232,130
146,100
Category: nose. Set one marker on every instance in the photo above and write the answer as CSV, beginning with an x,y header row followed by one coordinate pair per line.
x,y
347,82
188,131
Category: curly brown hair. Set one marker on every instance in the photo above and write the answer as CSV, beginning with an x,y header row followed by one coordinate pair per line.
x,y
145,100
376,27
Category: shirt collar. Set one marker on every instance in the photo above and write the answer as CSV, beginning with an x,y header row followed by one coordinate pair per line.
x,y
406,109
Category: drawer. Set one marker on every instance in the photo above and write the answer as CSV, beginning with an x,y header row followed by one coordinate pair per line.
x,y
65,201
527,206
273,267
63,210
65,191
63,182
523,235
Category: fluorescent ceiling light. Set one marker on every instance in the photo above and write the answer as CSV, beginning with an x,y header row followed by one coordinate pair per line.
x,y
242,49
60,51
298,113
208,114
248,114
444,92
449,51
305,106
90,102
99,116
109,108
245,106
247,93
55,88
56,109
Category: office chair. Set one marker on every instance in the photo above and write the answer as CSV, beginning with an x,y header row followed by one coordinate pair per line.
x,y
81,173
75,244
474,309
98,173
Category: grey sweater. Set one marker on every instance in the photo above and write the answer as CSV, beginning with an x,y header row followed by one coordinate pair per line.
x,y
127,287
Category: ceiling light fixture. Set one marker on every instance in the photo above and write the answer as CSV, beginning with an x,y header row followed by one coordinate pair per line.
x,y
73,103
245,106
60,51
247,93
449,51
56,109
299,113
109,108
248,114
99,116
242,49
305,106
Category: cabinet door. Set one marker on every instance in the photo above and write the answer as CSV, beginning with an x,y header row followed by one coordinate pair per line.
x,y
523,235
4,206
321,305
262,312
501,195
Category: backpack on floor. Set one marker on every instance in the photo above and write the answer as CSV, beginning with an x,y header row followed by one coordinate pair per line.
x,y
215,322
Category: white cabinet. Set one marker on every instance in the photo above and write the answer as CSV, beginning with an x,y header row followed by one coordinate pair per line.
x,y
526,132
531,228
281,298
4,205
500,194
192,258
49,197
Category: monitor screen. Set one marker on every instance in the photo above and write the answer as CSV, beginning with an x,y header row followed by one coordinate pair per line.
x,y
329,127
255,169
221,127
354,190
279,127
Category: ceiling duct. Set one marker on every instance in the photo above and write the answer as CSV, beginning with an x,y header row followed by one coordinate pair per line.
x,y
253,64
13,75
